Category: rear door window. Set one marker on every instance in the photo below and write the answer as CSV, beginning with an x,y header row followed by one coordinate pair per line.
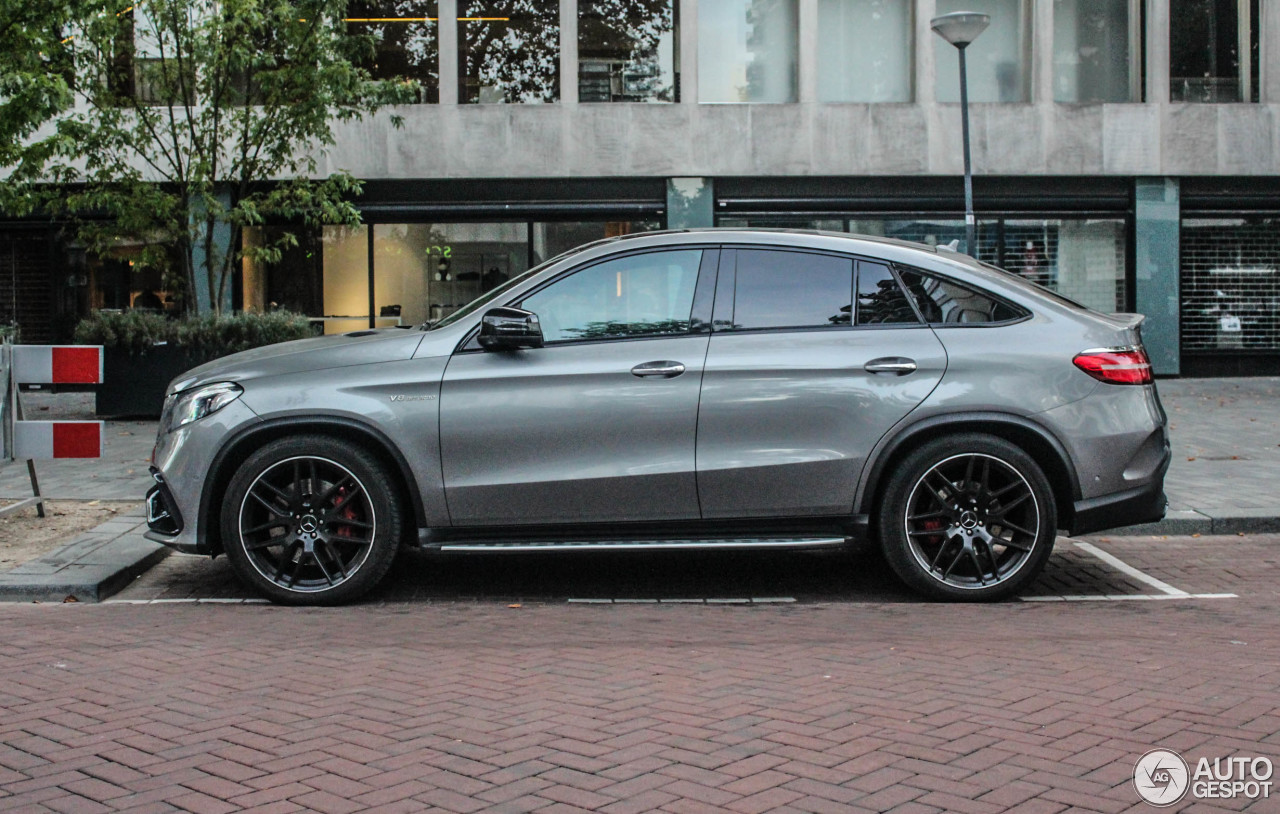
x,y
944,302
881,301
785,289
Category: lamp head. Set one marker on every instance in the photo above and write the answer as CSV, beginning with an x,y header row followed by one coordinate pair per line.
x,y
960,27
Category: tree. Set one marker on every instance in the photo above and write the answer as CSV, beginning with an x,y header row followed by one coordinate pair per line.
x,y
36,77
197,119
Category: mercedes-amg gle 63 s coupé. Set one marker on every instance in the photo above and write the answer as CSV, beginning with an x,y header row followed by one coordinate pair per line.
x,y
695,389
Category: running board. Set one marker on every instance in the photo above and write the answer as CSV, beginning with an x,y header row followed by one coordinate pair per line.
x,y
648,545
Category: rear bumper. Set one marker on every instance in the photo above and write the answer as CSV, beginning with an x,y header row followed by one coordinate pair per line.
x,y
1142,504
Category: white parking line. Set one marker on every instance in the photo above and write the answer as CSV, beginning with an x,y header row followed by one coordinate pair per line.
x,y
755,600
1166,590
1129,570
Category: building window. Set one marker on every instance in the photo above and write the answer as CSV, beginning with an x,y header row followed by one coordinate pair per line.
x,y
1094,44
425,271
864,50
405,41
551,239
508,51
627,51
996,61
1231,284
747,51
1213,47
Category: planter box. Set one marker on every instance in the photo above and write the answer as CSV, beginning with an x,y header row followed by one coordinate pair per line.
x,y
133,384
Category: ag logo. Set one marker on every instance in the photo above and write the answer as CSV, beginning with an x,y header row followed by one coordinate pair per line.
x,y
1161,777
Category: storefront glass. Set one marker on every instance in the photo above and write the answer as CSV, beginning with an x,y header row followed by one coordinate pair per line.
x,y
346,278
1231,284
1083,259
626,51
1093,50
864,50
406,42
423,271
996,61
550,239
747,51
509,51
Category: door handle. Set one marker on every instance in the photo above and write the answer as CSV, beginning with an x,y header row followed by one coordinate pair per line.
x,y
666,369
897,365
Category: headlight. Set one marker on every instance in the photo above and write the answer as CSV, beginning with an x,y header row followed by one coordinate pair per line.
x,y
194,405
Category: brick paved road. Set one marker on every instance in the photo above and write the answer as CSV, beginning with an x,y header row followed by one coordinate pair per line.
x,y
850,702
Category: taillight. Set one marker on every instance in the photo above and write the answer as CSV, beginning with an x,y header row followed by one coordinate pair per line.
x,y
1116,365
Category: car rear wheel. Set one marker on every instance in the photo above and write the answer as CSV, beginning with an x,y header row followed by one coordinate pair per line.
x,y
968,517
311,520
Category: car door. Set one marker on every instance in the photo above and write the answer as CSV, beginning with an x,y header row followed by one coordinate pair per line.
x,y
802,378
599,424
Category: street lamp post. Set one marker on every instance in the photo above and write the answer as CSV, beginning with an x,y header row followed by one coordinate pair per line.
x,y
961,28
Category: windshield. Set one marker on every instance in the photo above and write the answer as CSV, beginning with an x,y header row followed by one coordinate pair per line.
x,y
490,296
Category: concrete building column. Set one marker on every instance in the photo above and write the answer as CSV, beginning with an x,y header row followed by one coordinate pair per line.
x,y
808,51
687,51
1157,259
1269,61
924,70
1158,53
1041,85
447,29
569,52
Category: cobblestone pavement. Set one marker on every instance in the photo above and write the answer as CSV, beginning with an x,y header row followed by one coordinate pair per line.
x,y
1226,439
855,699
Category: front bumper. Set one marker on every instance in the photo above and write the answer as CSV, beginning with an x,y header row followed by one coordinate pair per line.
x,y
182,464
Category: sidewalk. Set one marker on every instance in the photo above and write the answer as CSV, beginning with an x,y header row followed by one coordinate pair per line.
x,y
1224,479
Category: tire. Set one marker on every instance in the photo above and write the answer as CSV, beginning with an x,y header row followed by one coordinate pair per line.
x,y
969,518
311,520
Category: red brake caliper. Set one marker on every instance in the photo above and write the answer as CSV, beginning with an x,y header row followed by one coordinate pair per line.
x,y
348,512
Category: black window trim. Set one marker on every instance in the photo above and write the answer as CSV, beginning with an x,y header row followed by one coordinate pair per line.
x,y
728,280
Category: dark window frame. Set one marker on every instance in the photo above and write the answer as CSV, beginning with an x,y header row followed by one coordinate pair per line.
x,y
727,285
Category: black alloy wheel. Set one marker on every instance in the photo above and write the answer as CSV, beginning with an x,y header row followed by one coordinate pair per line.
x,y
968,517
311,520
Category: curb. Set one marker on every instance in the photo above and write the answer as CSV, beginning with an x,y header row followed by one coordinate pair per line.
x,y
89,569
1205,522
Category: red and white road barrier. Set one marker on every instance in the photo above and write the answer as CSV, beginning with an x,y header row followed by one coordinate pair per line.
x,y
46,440
57,364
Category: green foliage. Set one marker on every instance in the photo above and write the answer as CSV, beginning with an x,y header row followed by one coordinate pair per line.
x,y
214,335
36,73
132,331
10,331
207,336
199,118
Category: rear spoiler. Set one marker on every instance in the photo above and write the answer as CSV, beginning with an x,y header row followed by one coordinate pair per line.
x,y
1125,321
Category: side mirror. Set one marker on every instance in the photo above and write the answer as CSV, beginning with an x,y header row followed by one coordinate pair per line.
x,y
510,329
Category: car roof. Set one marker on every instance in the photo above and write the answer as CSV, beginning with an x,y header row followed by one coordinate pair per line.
x,y
729,233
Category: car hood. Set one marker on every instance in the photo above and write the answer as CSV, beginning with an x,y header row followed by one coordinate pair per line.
x,y
321,353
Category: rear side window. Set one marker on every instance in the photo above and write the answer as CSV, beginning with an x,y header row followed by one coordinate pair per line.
x,y
778,289
944,302
881,300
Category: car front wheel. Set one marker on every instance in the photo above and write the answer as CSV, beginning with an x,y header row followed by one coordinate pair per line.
x,y
311,520
968,517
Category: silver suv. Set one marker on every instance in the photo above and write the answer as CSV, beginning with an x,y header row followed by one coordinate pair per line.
x,y
698,389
